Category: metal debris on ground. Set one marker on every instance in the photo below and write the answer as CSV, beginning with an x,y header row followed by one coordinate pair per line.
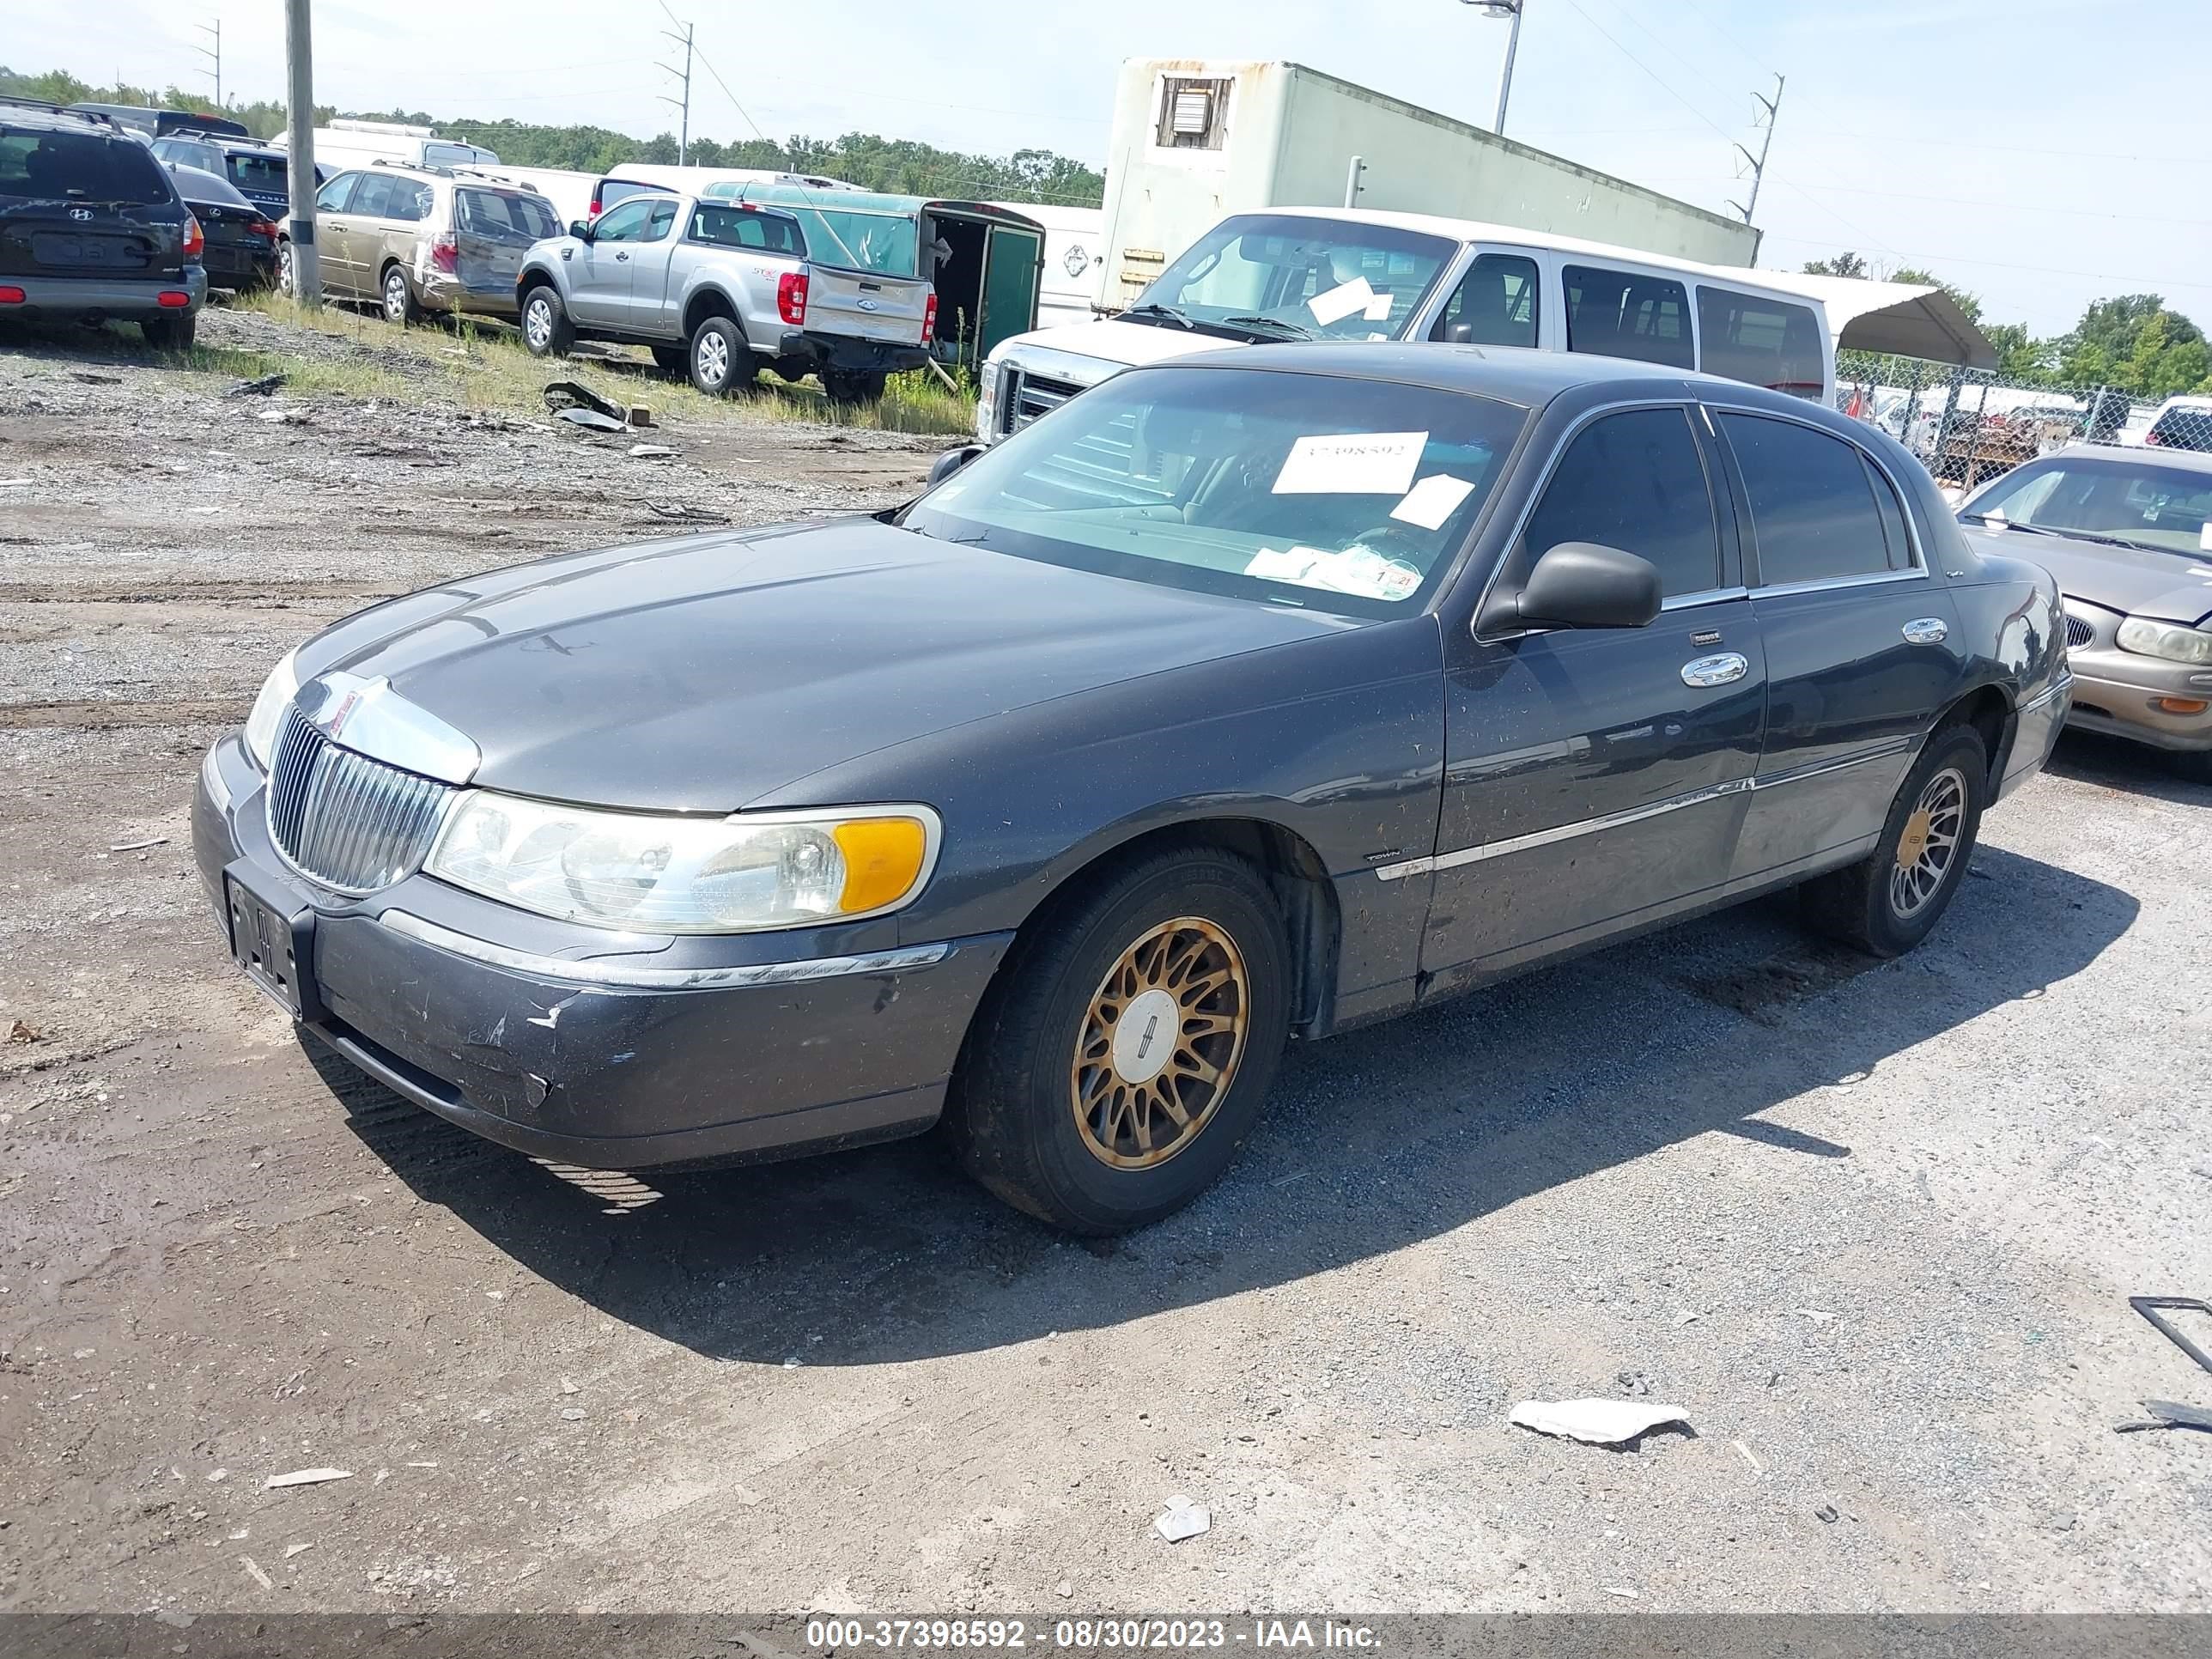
x,y
685,513
19,1032
574,394
1182,1519
650,452
2155,1308
591,419
139,845
1826,1514
260,388
2168,1414
282,416
90,379
254,1568
306,1477
641,415
1598,1422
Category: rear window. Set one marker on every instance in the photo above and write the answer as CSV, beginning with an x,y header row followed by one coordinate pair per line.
x,y
504,217
729,226
1627,314
435,155
266,173
1760,342
80,166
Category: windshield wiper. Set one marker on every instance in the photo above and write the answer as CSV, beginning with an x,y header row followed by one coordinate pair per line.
x,y
2064,535
1283,328
1160,313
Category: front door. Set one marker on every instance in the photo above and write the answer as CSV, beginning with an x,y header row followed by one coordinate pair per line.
x,y
1861,640
1597,777
334,233
598,276
643,302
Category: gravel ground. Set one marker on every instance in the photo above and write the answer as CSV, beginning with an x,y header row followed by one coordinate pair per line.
x,y
1873,1226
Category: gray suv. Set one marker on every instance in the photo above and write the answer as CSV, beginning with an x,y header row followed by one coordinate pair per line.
x,y
92,228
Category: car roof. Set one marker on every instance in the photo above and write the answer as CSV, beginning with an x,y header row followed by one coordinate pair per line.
x,y
52,117
2181,460
223,141
1515,374
198,185
1483,230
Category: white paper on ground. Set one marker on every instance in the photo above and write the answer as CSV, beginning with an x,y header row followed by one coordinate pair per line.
x,y
1377,308
1432,501
1600,1422
1352,463
1182,1519
1340,301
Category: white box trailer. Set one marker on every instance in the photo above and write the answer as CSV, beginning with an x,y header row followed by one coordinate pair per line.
x,y
1196,139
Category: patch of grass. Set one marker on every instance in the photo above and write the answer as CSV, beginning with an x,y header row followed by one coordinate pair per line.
x,y
481,364
349,378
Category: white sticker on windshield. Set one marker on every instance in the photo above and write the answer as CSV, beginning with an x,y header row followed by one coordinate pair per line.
x,y
1432,501
1377,309
1340,301
1352,463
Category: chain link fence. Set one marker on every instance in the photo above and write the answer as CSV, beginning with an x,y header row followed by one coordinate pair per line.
x,y
1968,426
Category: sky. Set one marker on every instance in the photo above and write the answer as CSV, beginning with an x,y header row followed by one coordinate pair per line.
x,y
2039,153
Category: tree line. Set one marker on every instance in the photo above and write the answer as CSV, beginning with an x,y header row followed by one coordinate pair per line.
x,y
898,166
2134,342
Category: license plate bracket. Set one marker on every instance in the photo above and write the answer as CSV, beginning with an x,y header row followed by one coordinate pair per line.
x,y
272,939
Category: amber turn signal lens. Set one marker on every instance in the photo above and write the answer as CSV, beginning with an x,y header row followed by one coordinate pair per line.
x,y
883,860
2181,705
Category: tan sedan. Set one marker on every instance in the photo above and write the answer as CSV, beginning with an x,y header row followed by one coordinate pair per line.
x,y
2128,533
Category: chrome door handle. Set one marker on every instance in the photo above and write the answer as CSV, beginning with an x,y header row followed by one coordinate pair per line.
x,y
619,257
1725,669
1927,630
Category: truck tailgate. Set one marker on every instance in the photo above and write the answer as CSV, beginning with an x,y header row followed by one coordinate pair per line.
x,y
865,305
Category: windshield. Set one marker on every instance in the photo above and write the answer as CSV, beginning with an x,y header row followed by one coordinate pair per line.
x,y
1345,495
80,166
2163,508
1317,276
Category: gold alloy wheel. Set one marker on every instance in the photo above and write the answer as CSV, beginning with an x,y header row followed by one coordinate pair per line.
x,y
1929,843
1160,1044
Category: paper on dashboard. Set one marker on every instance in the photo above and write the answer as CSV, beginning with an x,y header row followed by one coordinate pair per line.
x,y
1340,301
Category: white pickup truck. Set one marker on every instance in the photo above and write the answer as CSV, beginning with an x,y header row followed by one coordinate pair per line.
x,y
718,291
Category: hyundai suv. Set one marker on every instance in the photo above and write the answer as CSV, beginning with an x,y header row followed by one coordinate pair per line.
x,y
92,227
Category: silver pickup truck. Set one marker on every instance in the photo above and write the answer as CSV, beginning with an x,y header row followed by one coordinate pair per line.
x,y
719,290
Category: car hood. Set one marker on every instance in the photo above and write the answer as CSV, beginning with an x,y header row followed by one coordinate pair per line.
x,y
701,674
2174,586
1112,345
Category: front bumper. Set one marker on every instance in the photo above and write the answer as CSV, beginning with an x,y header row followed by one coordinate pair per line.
x,y
834,1048
2119,692
126,299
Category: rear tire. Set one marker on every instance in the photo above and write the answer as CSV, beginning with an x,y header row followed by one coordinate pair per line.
x,y
400,305
546,329
848,387
1892,899
171,334
718,360
287,282
1073,1100
671,361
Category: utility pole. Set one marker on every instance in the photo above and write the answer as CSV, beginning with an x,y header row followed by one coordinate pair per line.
x,y
1757,164
1511,9
214,54
683,104
300,161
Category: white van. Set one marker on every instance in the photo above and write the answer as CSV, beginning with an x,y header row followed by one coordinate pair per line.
x,y
1329,273
348,144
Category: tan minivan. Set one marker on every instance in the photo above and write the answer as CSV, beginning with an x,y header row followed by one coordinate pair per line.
x,y
414,239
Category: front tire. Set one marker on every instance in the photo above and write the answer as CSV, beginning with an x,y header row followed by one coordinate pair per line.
x,y
400,305
546,329
288,281
719,360
1892,899
1124,1051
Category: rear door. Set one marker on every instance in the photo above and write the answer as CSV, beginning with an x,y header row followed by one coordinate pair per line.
x,y
86,205
1597,778
865,305
492,230
1862,641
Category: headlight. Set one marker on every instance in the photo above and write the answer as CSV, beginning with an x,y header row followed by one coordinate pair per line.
x,y
2169,640
277,694
652,874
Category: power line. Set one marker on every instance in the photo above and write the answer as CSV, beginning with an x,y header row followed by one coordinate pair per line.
x,y
2011,207
1931,260
1663,85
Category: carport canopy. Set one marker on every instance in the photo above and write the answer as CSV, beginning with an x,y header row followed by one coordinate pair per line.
x,y
1904,319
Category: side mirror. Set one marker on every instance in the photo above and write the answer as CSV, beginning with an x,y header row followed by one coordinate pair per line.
x,y
1579,585
580,229
951,462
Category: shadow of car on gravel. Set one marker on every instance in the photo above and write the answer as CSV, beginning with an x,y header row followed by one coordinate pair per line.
x,y
1374,1140
2135,768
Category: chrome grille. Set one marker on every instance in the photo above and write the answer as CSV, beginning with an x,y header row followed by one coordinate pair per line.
x,y
2078,632
351,822
1030,396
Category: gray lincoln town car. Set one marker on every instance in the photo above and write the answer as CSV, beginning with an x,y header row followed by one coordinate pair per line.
x,y
1249,696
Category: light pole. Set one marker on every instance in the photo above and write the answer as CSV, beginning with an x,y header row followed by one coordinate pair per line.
x,y
1503,9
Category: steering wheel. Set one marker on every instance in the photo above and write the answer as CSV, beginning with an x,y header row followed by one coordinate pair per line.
x,y
1396,541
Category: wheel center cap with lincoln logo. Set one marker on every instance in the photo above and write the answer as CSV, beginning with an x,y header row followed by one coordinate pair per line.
x,y
1144,1036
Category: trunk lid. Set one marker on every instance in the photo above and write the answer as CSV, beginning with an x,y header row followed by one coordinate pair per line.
x,y
66,238
865,305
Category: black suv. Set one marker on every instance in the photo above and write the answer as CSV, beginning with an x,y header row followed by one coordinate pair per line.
x,y
260,172
92,228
